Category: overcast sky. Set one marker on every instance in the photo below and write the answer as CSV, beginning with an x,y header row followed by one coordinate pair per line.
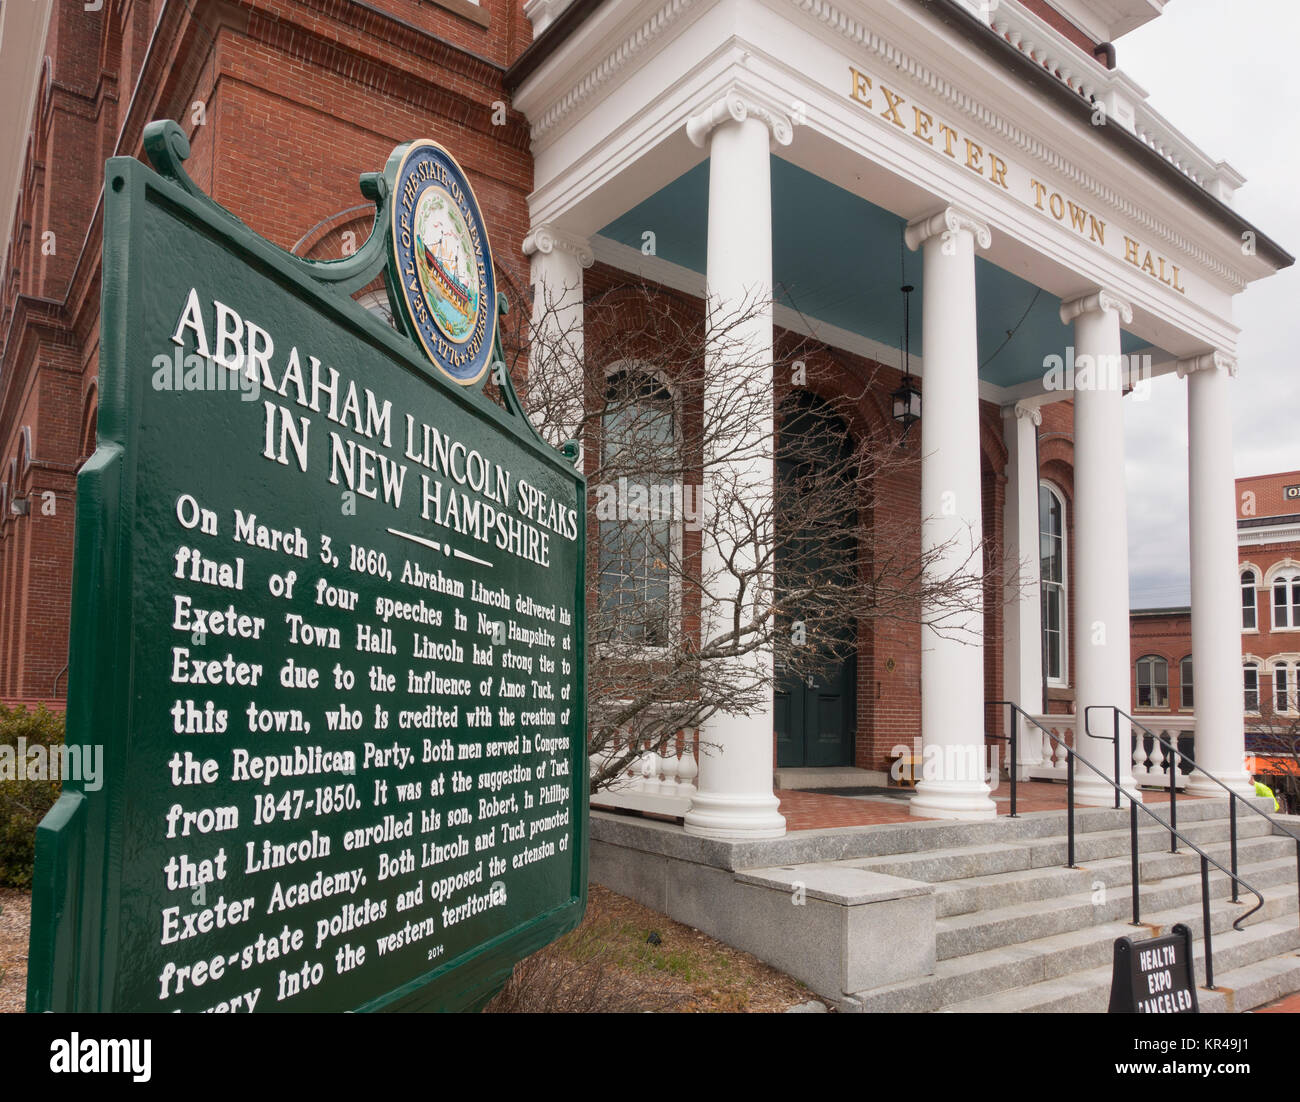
x,y
1225,75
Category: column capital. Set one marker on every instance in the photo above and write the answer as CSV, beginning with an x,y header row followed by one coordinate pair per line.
x,y
942,223
546,238
1023,411
1094,303
737,105
1208,361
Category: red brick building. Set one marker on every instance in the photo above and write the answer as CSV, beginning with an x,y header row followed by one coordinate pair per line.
x,y
284,104
1268,542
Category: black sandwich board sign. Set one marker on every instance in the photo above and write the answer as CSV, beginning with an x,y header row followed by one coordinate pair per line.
x,y
326,624
1154,976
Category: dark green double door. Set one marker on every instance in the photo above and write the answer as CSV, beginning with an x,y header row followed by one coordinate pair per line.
x,y
815,697
815,716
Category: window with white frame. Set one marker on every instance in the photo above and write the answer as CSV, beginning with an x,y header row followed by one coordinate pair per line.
x,y
1250,679
1051,550
1286,600
1185,683
1283,688
637,525
1249,619
1152,682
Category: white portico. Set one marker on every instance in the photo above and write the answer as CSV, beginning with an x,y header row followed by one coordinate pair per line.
x,y
1065,237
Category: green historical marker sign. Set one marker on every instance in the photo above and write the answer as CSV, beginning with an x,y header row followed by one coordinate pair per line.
x,y
326,624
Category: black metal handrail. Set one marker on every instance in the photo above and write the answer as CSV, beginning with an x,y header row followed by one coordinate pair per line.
x,y
1174,754
1133,805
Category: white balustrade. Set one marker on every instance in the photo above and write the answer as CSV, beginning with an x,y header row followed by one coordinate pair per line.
x,y
1054,765
1151,760
661,783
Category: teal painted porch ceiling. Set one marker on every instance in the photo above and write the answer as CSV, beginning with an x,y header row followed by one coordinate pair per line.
x,y
836,259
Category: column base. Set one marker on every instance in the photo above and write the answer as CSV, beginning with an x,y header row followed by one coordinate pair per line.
x,y
739,817
1102,795
953,800
1240,783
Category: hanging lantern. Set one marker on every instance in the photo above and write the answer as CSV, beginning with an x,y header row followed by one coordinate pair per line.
x,y
907,398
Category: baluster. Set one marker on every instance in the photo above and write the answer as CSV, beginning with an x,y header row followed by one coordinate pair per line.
x,y
668,765
688,768
1063,750
647,772
1141,771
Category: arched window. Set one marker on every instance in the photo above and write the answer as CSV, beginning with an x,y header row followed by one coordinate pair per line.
x,y
1249,581
1286,600
636,511
1250,680
1285,674
1152,682
1051,549
1185,683
377,303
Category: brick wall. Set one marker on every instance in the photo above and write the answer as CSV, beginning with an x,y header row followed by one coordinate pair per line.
x,y
286,102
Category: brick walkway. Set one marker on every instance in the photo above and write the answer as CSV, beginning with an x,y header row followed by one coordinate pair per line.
x,y
815,811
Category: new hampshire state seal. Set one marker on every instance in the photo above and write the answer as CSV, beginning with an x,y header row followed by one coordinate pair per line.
x,y
444,262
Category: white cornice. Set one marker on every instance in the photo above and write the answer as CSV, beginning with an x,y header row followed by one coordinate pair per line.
x,y
646,35
836,19
611,64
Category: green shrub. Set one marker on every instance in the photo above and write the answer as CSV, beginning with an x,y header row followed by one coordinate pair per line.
x,y
23,803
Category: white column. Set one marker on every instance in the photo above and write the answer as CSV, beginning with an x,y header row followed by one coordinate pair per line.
x,y
1100,563
952,638
734,797
555,366
1216,590
1022,631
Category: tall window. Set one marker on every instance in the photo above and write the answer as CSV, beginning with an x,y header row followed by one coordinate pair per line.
x,y
1286,600
1283,688
1249,622
1051,550
1152,682
1185,682
637,524
1250,678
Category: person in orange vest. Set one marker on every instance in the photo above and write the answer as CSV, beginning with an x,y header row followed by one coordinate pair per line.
x,y
1261,789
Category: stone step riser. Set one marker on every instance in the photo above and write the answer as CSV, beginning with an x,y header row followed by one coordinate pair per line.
x,y
974,938
1057,964
1090,994
1051,883
1053,850
905,841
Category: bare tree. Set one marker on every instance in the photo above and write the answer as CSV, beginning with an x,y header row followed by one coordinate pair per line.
x,y
696,575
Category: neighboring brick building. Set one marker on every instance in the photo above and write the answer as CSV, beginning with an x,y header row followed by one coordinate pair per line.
x,y
1268,542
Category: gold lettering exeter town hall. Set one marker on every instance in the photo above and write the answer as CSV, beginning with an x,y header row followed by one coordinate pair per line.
x,y
921,125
